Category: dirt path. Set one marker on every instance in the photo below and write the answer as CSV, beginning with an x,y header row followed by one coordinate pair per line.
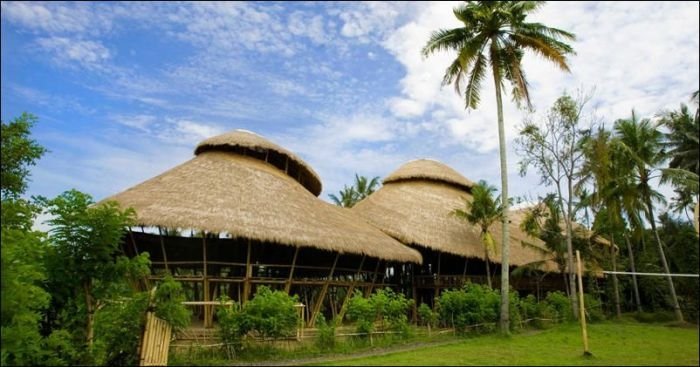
x,y
341,357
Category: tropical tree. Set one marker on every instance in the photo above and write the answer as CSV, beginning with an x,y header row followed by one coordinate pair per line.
x,y
553,148
641,144
349,196
496,35
483,210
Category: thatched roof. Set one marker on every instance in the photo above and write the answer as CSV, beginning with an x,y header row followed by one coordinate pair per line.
x,y
248,143
414,206
429,169
223,191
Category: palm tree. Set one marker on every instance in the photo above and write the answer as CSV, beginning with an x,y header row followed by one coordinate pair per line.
x,y
365,187
640,142
347,197
495,34
483,211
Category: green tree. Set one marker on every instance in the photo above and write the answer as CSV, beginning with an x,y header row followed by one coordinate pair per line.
x,y
23,299
483,211
496,35
18,153
87,267
349,196
640,142
553,148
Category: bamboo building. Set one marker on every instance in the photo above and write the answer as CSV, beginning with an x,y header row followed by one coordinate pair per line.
x,y
244,212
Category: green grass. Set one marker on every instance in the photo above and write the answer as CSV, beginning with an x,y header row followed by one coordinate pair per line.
x,y
621,343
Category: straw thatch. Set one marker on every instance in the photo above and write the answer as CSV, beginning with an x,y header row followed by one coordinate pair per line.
x,y
431,170
221,191
415,205
248,143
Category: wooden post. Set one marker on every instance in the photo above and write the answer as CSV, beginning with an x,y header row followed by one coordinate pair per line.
x,y
248,275
438,282
582,311
414,312
205,280
133,242
288,285
322,295
343,308
162,249
374,279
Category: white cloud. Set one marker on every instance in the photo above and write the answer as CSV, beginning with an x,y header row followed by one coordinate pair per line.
x,y
67,50
57,18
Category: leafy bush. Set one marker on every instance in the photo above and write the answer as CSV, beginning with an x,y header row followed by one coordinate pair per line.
x,y
118,329
473,304
231,326
326,334
594,308
168,303
427,316
362,312
561,305
271,314
650,317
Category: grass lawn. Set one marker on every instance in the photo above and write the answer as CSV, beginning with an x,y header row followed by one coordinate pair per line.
x,y
612,343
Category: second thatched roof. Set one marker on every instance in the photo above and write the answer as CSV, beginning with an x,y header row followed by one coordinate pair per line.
x,y
231,186
415,205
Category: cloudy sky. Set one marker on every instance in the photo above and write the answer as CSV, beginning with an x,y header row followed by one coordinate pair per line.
x,y
124,91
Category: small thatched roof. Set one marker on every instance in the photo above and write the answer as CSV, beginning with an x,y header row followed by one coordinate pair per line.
x,y
429,169
224,191
414,206
248,143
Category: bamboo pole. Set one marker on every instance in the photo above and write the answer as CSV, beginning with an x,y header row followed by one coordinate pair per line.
x,y
288,285
248,275
439,282
348,294
374,279
582,310
205,281
162,249
322,295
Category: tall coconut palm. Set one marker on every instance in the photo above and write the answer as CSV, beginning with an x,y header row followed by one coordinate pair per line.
x,y
347,197
641,143
496,35
483,211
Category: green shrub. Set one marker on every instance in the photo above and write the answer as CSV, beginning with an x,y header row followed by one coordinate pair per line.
x,y
231,326
427,316
325,339
561,305
385,305
594,308
649,317
118,329
271,314
473,304
361,311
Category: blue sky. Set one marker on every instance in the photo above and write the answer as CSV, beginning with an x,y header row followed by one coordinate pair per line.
x,y
124,91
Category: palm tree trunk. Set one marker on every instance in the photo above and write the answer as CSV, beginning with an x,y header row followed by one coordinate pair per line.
x,y
616,288
488,270
676,306
634,276
505,299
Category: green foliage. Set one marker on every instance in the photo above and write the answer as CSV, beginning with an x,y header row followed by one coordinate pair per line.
x,y
362,188
385,305
561,305
231,326
473,304
325,339
271,314
18,152
118,329
594,308
427,316
651,317
168,300
362,312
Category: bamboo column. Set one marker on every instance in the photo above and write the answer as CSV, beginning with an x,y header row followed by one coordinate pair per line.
x,y
374,279
205,280
288,284
322,295
582,310
162,249
248,275
343,308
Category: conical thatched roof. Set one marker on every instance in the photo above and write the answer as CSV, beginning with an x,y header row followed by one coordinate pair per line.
x,y
223,190
248,143
415,205
430,170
